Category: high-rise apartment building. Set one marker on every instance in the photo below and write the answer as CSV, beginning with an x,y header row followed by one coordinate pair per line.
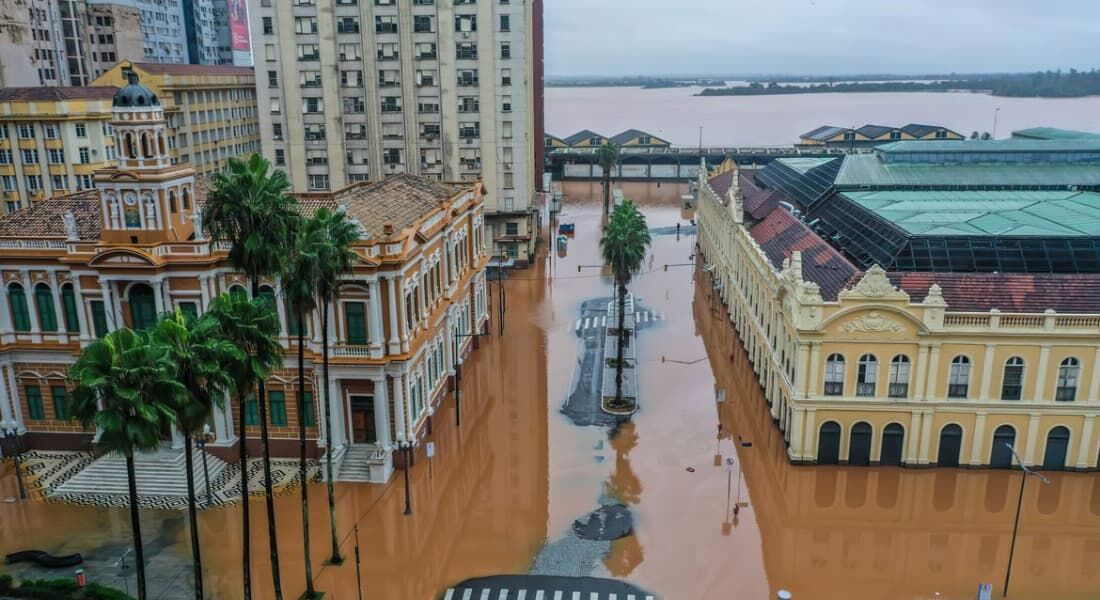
x,y
114,34
354,90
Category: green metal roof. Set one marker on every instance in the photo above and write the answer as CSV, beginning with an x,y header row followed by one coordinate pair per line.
x,y
869,170
986,213
1053,133
1076,144
802,165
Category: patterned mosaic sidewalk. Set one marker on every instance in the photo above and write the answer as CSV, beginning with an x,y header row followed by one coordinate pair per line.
x,y
45,471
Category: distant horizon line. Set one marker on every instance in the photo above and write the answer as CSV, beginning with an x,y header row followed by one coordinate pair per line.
x,y
734,76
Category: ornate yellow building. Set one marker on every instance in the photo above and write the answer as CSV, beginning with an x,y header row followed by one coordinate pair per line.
x,y
917,366
75,267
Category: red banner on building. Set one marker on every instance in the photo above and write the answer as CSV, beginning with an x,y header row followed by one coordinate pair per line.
x,y
238,25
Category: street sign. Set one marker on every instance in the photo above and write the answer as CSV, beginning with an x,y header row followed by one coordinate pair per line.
x,y
429,449
985,591
729,465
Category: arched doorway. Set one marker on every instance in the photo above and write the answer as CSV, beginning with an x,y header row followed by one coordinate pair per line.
x,y
828,444
1000,457
893,440
143,308
950,446
1054,459
859,445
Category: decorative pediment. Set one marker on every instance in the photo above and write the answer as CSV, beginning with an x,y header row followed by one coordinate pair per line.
x,y
123,256
123,176
874,285
872,322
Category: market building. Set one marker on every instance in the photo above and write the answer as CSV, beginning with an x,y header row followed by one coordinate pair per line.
x,y
929,303
830,136
78,266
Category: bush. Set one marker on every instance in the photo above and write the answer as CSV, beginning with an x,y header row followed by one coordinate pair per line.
x,y
5,583
94,591
58,589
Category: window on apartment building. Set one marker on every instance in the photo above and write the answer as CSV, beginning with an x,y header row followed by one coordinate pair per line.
x,y
425,51
8,182
251,412
59,182
43,303
307,402
391,104
312,105
354,105
280,157
465,23
351,51
56,156
834,375
351,79
3,131
355,131
355,320
276,106
467,77
506,130
273,79
309,79
269,26
26,131
427,104
315,132
466,50
469,130
506,104
423,2
318,182
511,228
899,377
5,157
385,24
505,77
1012,381
1069,373
30,156
468,104
389,78
17,303
386,51
425,78
85,182
277,131
509,181
308,52
391,156
347,25
505,23
347,2
422,24
958,384
506,50
269,54
866,375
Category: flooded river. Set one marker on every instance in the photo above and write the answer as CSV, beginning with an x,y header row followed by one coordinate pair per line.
x,y
517,473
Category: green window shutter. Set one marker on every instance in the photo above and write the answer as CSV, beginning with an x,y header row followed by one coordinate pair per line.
x,y
143,308
99,318
307,409
355,317
34,402
60,402
68,298
277,404
190,310
47,313
20,317
251,411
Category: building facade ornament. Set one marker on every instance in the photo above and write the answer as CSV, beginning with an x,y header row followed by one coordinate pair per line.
x,y
872,322
875,284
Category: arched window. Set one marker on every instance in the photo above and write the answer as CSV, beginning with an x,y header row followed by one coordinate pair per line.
x,y
1054,458
1000,456
68,300
950,446
143,308
186,199
146,150
893,442
899,377
17,302
867,375
828,443
128,146
958,384
834,375
160,144
47,312
1012,384
859,445
172,201
238,291
1068,374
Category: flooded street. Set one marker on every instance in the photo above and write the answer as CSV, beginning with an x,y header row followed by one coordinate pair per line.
x,y
517,473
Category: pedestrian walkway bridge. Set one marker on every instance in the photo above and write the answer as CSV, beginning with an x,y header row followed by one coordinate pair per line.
x,y
669,163
544,587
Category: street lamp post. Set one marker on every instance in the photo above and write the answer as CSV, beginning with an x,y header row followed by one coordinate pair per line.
x,y
10,429
406,448
996,112
202,440
1019,504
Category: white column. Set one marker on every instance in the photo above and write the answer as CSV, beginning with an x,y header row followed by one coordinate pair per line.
x,y
987,373
177,438
925,438
382,411
395,341
1041,376
116,304
1032,440
9,330
1094,379
13,389
979,437
81,316
815,358
222,434
404,314
5,406
913,437
32,306
809,436
375,320
920,366
336,408
166,288
1084,450
158,296
280,307
933,374
204,292
59,309
399,408
108,309
795,435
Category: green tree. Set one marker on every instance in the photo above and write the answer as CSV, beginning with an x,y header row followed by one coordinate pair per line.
x,y
120,383
198,349
299,284
624,245
253,327
249,207
607,156
335,260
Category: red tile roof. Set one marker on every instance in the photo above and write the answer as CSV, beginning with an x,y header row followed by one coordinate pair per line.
x,y
54,94
187,69
781,234
1007,292
43,219
756,201
721,183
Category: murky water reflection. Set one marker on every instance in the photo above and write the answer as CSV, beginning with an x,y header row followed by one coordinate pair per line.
x,y
518,473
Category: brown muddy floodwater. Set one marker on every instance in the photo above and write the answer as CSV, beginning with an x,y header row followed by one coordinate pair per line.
x,y
517,473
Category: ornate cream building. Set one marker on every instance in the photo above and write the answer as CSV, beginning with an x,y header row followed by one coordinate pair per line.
x,y
75,267
918,364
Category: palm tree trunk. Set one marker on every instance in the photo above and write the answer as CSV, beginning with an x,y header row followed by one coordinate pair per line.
x,y
193,514
336,558
606,191
310,593
622,341
135,525
246,537
269,489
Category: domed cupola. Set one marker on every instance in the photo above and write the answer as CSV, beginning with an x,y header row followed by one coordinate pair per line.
x,y
135,95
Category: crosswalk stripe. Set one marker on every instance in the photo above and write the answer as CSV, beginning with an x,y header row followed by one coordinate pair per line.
x,y
522,595
450,594
594,596
538,595
576,596
586,322
649,598
557,595
466,595
603,322
630,597
503,594
612,596
577,327
485,594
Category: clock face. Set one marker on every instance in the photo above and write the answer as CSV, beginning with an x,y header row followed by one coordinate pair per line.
x,y
130,199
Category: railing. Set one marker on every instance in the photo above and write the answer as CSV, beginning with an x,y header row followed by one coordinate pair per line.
x,y
899,390
34,244
353,350
966,320
1008,321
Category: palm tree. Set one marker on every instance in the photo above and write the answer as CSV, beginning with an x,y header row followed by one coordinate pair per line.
x,y
607,156
249,207
335,260
299,279
120,381
253,327
624,245
199,351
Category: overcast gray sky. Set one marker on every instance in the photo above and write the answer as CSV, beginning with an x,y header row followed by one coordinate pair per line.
x,y
646,37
